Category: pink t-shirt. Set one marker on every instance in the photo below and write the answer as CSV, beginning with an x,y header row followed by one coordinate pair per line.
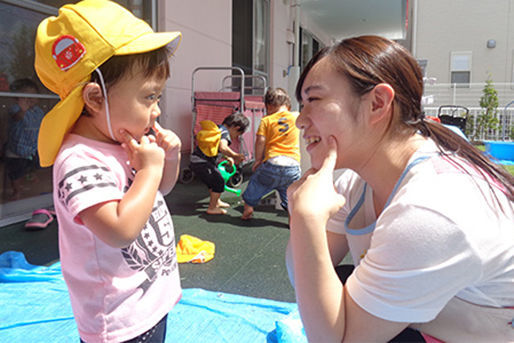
x,y
116,294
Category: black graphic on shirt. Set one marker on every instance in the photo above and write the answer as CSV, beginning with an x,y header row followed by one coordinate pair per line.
x,y
83,179
284,126
154,250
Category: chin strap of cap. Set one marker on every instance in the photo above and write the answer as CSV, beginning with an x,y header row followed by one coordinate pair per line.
x,y
107,113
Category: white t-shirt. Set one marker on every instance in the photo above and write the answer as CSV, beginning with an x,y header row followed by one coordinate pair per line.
x,y
116,294
437,239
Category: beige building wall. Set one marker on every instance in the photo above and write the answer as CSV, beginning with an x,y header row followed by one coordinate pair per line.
x,y
206,27
442,26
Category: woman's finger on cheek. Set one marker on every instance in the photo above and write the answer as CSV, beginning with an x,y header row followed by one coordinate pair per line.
x,y
329,163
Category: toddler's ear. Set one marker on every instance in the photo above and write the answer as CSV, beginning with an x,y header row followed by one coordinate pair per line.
x,y
93,97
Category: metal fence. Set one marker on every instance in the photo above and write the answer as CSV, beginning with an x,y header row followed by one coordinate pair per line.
x,y
443,94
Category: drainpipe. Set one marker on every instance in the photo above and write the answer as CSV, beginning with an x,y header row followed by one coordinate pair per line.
x,y
414,31
294,70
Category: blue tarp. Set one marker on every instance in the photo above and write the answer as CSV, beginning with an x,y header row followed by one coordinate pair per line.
x,y
35,307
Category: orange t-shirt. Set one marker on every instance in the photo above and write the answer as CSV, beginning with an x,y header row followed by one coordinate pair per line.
x,y
282,135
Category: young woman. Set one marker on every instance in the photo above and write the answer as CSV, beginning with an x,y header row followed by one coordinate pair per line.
x,y
427,218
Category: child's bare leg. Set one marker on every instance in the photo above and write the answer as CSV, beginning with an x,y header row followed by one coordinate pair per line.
x,y
248,212
220,202
223,204
213,204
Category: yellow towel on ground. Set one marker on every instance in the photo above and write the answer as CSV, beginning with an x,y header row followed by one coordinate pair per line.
x,y
194,250
209,138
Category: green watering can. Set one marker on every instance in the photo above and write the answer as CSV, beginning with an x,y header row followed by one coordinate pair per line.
x,y
227,175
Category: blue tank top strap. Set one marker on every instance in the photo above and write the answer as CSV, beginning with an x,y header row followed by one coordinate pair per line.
x,y
371,227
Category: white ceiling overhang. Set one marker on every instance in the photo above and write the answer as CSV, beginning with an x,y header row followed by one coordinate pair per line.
x,y
344,18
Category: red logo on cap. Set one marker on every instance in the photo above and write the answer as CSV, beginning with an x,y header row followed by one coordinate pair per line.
x,y
67,51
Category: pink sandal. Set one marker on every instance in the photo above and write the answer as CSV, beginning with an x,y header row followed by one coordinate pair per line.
x,y
40,219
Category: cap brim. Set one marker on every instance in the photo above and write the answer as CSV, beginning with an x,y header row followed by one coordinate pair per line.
x,y
56,124
151,41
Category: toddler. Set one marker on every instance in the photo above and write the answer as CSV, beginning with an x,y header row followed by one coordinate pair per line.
x,y
112,165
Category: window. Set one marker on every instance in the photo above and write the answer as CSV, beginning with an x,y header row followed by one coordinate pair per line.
x,y
308,48
20,193
261,37
460,69
24,186
250,41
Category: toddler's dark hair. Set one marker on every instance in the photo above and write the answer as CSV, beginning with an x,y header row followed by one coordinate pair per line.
x,y
277,97
153,62
237,119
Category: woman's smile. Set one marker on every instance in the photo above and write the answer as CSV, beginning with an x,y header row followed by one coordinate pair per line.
x,y
312,142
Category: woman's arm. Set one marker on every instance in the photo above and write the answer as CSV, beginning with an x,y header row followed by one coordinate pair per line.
x,y
328,313
337,246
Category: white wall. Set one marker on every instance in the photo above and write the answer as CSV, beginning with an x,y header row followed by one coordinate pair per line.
x,y
206,27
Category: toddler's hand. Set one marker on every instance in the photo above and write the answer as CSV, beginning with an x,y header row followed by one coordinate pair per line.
x,y
239,158
256,165
168,141
145,154
230,160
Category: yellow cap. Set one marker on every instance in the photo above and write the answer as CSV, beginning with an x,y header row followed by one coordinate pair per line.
x,y
72,45
194,250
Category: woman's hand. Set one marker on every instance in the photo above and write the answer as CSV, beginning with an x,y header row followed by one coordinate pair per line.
x,y
314,194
